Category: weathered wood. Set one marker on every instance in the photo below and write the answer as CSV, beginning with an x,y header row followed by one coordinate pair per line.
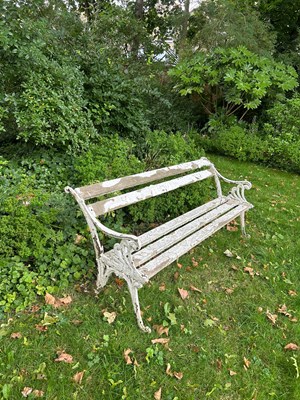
x,y
159,246
114,203
175,223
172,254
114,185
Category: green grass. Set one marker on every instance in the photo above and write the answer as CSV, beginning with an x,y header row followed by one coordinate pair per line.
x,y
215,330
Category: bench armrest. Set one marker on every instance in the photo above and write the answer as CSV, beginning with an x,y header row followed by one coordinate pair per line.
x,y
238,191
89,215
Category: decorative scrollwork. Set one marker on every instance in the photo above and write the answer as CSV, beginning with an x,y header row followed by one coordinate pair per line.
x,y
120,262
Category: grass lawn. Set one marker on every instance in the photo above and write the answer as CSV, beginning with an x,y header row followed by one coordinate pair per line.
x,y
225,341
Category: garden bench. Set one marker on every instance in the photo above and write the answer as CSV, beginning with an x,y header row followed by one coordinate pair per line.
x,y
136,259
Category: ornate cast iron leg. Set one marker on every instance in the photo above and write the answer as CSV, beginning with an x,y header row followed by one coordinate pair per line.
x,y
243,225
103,274
136,306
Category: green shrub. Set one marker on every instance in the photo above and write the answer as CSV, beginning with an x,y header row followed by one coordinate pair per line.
x,y
162,150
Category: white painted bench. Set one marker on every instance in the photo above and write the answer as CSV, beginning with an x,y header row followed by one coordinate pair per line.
x,y
136,259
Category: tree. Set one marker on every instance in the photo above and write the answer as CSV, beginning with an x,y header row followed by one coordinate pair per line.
x,y
221,23
233,80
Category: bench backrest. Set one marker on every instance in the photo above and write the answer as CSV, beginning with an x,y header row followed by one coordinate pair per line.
x,y
99,189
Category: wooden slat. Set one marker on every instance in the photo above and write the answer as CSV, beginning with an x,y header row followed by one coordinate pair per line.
x,y
99,189
146,254
175,223
104,206
157,264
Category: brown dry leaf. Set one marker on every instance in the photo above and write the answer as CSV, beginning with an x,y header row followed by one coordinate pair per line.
x,y
76,322
283,310
16,335
26,391
291,346
184,294
119,282
126,356
64,357
162,287
232,373
78,239
195,289
38,393
110,316
229,290
168,370
160,329
249,270
176,275
194,262
65,300
246,363
49,299
77,378
41,328
232,226
179,265
294,319
157,395
271,317
178,375
219,364
292,293
163,341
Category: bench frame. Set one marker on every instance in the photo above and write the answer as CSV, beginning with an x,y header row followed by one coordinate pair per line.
x,y
120,260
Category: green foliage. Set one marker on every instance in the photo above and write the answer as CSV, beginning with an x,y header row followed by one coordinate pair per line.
x,y
222,23
38,252
244,143
283,119
232,79
162,149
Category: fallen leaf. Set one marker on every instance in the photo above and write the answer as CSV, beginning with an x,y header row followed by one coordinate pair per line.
x,y
110,317
282,309
77,378
232,226
184,294
162,287
179,265
76,321
38,393
260,309
66,300
157,395
78,239
41,328
26,391
16,335
194,262
168,370
209,322
176,275
229,290
160,329
195,289
228,253
119,282
219,364
249,270
291,346
271,317
163,341
64,357
232,373
178,375
246,363
292,293
126,356
49,320
49,299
